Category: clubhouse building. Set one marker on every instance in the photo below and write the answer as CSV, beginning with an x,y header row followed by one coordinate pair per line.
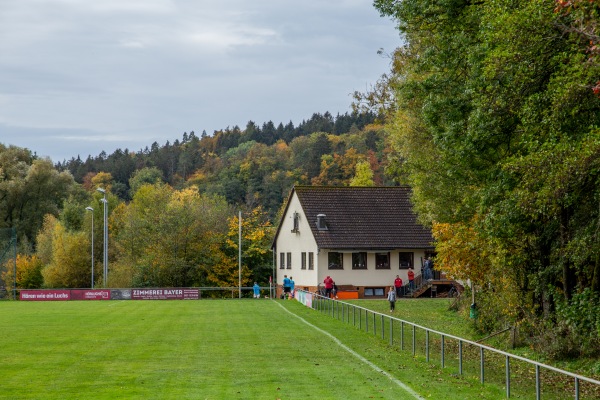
x,y
360,236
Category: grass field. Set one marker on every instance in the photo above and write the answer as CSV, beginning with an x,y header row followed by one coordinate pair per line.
x,y
217,349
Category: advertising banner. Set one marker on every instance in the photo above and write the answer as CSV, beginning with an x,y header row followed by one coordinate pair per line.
x,y
164,294
90,294
305,298
120,294
45,295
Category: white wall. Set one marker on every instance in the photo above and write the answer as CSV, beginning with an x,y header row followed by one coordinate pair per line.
x,y
369,276
296,243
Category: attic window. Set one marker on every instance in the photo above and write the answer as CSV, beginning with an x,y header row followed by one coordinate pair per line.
x,y
321,224
296,219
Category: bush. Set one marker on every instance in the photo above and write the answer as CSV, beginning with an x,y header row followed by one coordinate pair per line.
x,y
575,329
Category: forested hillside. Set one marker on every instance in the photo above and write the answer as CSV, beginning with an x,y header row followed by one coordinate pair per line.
x,y
252,166
173,209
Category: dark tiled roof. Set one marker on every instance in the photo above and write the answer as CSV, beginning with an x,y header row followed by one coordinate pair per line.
x,y
377,218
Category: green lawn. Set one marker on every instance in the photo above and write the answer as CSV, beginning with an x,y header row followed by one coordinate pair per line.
x,y
219,349
208,349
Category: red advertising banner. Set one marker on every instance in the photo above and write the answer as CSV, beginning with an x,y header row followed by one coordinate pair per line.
x,y
110,294
45,295
90,294
164,294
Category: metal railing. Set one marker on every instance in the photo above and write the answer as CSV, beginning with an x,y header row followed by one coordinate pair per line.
x,y
463,351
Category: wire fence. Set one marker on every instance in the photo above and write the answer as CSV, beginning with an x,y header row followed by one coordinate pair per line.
x,y
520,377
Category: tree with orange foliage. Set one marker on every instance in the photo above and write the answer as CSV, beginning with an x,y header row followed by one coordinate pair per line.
x,y
29,272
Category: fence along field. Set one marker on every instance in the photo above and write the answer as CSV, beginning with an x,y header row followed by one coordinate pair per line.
x,y
248,349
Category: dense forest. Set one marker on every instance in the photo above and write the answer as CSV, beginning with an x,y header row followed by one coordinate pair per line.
x,y
495,119
490,112
254,166
173,208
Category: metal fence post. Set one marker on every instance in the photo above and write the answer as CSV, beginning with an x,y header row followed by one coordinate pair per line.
x,y
427,345
507,377
537,382
443,358
460,368
382,330
414,329
401,335
481,367
374,324
391,332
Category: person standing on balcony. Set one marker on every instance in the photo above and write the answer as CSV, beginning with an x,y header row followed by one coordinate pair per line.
x,y
411,279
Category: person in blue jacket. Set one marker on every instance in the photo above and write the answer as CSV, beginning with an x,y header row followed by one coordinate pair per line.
x,y
256,289
286,286
292,286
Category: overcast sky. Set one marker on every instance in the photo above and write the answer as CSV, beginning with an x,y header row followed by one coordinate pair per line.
x,y
79,76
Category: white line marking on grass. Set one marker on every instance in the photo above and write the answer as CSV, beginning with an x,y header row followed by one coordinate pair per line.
x,y
355,354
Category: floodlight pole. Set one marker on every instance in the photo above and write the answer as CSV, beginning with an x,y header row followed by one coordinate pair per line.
x,y
14,239
92,210
105,234
240,254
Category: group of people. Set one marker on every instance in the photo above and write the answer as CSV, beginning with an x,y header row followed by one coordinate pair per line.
x,y
288,287
398,290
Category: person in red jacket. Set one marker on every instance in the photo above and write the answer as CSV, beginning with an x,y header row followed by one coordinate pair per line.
x,y
328,285
411,279
398,285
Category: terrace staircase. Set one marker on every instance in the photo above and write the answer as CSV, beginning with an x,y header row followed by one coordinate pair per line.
x,y
435,287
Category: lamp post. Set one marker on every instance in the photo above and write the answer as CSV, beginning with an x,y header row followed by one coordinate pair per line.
x,y
92,210
105,271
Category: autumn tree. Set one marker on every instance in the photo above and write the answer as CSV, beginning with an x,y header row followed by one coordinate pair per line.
x,y
69,265
30,188
495,128
29,272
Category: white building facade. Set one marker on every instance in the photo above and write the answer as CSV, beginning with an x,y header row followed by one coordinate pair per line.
x,y
361,237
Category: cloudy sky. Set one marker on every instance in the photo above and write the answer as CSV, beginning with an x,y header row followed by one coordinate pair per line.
x,y
78,76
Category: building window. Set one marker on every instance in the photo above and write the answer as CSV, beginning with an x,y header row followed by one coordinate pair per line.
x,y
382,260
281,260
406,259
335,260
311,260
289,260
296,219
303,257
374,292
359,260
